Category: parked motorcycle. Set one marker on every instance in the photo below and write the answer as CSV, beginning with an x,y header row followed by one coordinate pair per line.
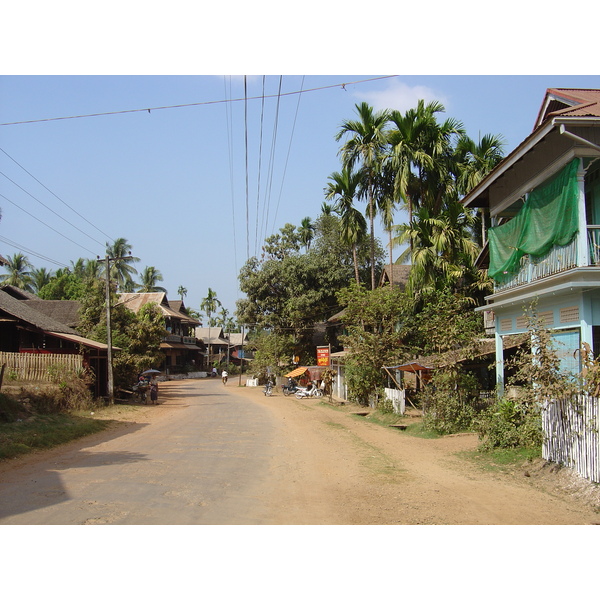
x,y
268,388
290,388
310,391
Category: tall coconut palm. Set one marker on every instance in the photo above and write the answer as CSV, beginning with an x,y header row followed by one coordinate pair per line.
x,y
366,142
306,231
19,274
121,269
148,280
181,292
39,278
344,188
420,148
209,306
475,160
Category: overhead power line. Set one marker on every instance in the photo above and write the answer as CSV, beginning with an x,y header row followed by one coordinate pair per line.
x,y
60,199
48,226
206,103
51,210
32,252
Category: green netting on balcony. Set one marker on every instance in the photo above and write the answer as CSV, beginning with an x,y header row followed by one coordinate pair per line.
x,y
548,218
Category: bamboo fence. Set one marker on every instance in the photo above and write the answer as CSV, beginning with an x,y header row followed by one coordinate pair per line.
x,y
571,436
25,367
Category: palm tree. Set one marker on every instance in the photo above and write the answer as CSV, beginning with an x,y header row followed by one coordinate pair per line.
x,y
181,292
121,270
209,306
148,280
442,252
39,278
344,187
420,152
306,232
18,272
365,146
475,161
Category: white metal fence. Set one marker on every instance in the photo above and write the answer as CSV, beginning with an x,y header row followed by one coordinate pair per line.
x,y
571,435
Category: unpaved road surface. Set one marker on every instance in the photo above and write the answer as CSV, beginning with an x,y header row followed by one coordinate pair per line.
x,y
214,454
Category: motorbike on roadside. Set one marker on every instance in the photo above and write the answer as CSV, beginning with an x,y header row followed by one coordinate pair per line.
x,y
290,388
268,391
310,391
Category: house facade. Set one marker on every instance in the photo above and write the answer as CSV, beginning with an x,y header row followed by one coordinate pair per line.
x,y
29,325
543,203
181,349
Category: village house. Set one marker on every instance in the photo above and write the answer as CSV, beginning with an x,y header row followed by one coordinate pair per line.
x,y
182,350
45,328
543,200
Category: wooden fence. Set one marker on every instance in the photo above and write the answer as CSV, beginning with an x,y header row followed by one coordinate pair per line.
x,y
25,367
571,436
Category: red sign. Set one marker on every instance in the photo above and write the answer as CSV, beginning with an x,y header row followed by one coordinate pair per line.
x,y
322,356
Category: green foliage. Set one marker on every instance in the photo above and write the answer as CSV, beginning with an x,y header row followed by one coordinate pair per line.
x,y
64,286
372,319
269,350
444,322
449,401
516,422
44,431
510,424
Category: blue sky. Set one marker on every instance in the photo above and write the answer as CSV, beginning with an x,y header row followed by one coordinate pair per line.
x,y
172,181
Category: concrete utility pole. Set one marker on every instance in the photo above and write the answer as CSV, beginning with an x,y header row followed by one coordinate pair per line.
x,y
110,383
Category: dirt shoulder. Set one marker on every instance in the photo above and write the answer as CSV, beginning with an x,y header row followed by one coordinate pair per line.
x,y
330,466
341,467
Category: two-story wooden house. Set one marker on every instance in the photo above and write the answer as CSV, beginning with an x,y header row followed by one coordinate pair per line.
x,y
181,348
543,200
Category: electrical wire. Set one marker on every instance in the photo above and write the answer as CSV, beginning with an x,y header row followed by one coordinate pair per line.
x,y
262,114
51,210
271,164
246,153
61,200
48,226
209,102
288,155
33,252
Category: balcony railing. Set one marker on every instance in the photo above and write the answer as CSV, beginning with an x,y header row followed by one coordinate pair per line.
x,y
559,259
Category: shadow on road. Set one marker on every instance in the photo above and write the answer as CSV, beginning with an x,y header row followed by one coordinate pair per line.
x,y
44,486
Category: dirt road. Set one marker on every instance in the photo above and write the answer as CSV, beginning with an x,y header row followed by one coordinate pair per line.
x,y
214,455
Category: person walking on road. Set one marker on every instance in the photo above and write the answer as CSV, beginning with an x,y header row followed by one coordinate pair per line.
x,y
224,376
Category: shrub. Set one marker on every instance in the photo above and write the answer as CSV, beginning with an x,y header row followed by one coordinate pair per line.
x,y
448,401
70,391
510,424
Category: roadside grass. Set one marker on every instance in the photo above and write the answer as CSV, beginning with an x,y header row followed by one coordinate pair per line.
x,y
502,460
23,431
44,431
387,419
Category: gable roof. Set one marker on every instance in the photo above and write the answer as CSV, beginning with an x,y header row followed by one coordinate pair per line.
x,y
64,311
135,300
25,310
560,105
22,311
567,102
400,275
215,335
